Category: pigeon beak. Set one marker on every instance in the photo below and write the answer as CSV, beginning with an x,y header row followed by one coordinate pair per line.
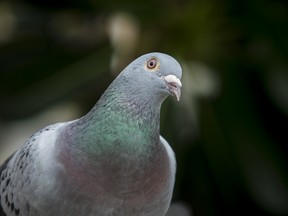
x,y
174,85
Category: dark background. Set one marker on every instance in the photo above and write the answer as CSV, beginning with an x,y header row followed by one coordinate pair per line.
x,y
229,131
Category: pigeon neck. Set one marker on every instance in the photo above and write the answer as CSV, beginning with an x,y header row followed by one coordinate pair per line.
x,y
120,122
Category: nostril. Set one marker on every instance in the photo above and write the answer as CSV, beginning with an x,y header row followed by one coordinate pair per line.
x,y
173,80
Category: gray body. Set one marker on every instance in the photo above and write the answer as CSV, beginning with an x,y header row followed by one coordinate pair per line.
x,y
110,162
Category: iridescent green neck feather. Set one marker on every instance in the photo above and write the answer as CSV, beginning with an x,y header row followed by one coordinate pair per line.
x,y
123,121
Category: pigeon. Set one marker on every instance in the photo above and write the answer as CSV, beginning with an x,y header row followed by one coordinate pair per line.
x,y
110,162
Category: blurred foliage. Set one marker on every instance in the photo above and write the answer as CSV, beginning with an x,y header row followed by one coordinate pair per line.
x,y
229,130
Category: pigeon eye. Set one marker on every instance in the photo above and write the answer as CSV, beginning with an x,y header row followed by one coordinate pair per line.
x,y
152,63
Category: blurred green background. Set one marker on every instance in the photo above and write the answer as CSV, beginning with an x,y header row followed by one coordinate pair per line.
x,y
229,131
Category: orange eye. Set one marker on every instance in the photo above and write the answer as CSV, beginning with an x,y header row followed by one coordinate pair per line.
x,y
151,64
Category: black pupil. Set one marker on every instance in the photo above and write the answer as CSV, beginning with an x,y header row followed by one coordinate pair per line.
x,y
152,63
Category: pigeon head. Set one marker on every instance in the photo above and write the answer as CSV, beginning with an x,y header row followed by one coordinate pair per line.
x,y
157,74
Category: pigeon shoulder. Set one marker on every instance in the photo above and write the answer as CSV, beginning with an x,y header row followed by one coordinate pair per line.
x,y
171,156
170,153
16,173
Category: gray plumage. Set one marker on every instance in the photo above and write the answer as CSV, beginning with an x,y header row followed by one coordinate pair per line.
x,y
110,162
